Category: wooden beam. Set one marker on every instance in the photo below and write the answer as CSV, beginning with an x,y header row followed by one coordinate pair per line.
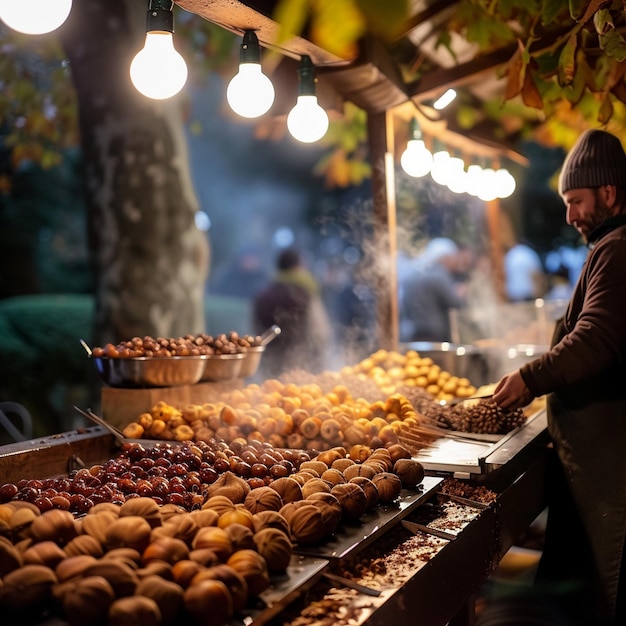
x,y
438,9
373,81
431,85
256,15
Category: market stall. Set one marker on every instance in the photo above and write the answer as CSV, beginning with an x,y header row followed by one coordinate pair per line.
x,y
418,555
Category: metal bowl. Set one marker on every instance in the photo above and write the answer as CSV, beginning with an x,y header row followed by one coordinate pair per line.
x,y
151,371
251,361
481,364
464,361
220,367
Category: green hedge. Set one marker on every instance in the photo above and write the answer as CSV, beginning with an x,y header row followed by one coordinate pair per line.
x,y
43,365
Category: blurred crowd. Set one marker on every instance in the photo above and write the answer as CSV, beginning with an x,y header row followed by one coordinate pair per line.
x,y
327,309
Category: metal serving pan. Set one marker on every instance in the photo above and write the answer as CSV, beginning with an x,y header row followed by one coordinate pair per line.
x,y
478,455
151,371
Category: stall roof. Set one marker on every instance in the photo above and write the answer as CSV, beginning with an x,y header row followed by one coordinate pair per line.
x,y
376,79
400,76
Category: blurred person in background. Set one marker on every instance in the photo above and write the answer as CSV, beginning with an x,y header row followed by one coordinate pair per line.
x,y
524,273
293,301
582,567
430,291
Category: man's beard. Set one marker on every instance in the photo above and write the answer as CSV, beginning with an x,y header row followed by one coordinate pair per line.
x,y
601,212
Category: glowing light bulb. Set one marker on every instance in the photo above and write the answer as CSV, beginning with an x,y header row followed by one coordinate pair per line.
x,y
307,121
158,70
505,183
250,93
488,186
416,160
474,179
456,178
445,99
34,17
439,170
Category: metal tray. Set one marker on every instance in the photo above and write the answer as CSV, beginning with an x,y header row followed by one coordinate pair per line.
x,y
351,538
481,454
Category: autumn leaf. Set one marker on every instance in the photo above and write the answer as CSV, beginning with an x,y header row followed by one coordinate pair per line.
x,y
606,109
614,45
530,94
567,61
385,19
610,40
576,89
515,71
337,25
601,74
337,171
603,22
291,15
359,170
588,73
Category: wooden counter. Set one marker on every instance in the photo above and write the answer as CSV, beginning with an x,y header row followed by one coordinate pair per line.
x,y
121,406
440,592
55,455
443,591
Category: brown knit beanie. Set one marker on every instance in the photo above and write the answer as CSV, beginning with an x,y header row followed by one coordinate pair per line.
x,y
596,159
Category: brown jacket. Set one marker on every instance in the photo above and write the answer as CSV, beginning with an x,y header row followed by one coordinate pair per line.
x,y
585,375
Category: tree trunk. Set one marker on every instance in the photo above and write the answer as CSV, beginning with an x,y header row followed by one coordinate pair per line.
x,y
150,261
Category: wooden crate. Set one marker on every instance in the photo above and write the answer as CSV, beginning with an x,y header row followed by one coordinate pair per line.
x,y
122,406
55,455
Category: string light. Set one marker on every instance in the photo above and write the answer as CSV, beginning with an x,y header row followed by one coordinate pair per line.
x,y
505,182
34,17
456,178
250,93
443,101
488,188
158,71
474,179
447,170
439,170
416,160
307,121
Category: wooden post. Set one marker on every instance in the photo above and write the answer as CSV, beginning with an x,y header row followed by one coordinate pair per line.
x,y
383,252
496,247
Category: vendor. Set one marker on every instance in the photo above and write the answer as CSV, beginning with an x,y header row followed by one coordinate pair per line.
x,y
584,375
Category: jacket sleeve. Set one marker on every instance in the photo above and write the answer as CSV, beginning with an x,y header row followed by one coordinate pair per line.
x,y
595,338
